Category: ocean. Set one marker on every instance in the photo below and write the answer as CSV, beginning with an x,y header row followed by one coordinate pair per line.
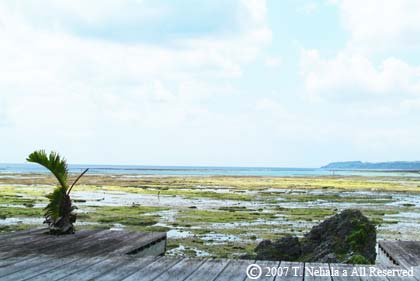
x,y
202,171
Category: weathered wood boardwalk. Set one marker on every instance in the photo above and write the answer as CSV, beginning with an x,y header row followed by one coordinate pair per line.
x,y
403,253
161,268
120,255
83,243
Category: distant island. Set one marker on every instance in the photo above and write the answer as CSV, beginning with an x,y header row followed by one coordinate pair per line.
x,y
358,165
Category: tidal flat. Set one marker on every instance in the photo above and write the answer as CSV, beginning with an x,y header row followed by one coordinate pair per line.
x,y
217,216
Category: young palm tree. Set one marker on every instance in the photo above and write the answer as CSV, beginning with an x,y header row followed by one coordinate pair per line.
x,y
59,212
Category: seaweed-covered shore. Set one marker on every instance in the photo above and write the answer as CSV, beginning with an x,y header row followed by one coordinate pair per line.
x,y
234,213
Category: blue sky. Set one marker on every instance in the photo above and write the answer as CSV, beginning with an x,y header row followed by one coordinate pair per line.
x,y
228,83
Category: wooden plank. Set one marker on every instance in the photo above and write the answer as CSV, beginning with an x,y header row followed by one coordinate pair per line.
x,y
235,270
47,242
295,271
127,269
50,242
316,272
11,235
410,252
21,242
417,272
413,247
156,248
154,269
100,253
398,278
181,270
143,239
56,254
15,267
80,245
404,257
383,257
368,276
345,272
72,240
209,269
15,237
95,270
39,240
132,239
61,268
4,263
28,250
166,268
71,255
268,270
62,241
398,253
111,240
100,241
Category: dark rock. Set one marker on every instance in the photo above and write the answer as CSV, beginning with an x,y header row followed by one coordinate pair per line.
x,y
348,237
340,238
286,248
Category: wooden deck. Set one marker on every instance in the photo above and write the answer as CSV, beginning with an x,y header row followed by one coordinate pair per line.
x,y
165,269
120,255
401,253
83,243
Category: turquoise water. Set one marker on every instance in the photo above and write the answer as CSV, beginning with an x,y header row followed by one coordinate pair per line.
x,y
202,171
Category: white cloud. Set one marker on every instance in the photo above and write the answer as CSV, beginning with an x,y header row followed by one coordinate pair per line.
x,y
257,10
41,62
355,76
54,82
381,24
369,90
369,66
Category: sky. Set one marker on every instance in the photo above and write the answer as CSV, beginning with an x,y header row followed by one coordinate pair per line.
x,y
286,83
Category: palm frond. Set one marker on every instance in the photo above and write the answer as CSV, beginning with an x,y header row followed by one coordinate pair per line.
x,y
53,209
76,180
53,162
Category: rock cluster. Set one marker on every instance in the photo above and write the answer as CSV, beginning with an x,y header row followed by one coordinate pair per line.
x,y
348,237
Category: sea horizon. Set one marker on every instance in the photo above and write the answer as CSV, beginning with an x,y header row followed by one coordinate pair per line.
x,y
174,170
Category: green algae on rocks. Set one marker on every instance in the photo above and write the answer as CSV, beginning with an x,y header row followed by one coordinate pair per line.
x,y
134,215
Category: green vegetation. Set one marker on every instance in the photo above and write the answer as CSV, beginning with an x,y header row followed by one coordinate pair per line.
x,y
37,192
307,214
18,212
16,200
134,215
356,238
182,192
59,212
299,197
15,227
203,210
294,183
189,217
377,215
358,259
237,183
